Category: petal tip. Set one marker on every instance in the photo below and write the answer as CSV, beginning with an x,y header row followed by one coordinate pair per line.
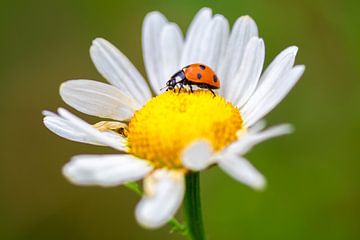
x,y
260,185
301,68
97,40
144,220
205,10
47,113
68,172
288,129
294,49
154,15
246,18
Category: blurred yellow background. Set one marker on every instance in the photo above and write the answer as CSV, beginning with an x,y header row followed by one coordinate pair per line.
x,y
313,175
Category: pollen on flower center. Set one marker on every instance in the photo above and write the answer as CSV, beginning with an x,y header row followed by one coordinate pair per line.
x,y
162,128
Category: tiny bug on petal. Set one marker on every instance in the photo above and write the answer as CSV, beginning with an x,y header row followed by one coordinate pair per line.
x,y
196,74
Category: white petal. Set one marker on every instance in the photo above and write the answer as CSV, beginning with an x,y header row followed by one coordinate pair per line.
x,y
257,127
242,170
243,30
250,139
194,35
245,81
97,99
164,192
119,71
171,41
47,113
282,62
198,155
273,74
105,170
66,129
104,138
211,47
162,49
153,25
274,96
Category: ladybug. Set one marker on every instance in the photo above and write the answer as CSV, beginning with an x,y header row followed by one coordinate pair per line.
x,y
194,74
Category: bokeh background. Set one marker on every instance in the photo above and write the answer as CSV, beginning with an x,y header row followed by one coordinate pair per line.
x,y
313,175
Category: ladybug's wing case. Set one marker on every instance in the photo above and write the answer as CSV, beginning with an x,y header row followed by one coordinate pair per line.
x,y
201,74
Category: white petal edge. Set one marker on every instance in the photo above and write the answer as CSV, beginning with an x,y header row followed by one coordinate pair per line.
x,y
105,170
245,81
250,139
164,192
100,137
211,47
198,155
63,128
275,95
243,30
153,25
119,71
98,99
242,170
257,127
284,60
66,129
194,35
171,41
274,73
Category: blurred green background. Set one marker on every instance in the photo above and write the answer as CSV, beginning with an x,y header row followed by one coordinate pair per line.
x,y
313,175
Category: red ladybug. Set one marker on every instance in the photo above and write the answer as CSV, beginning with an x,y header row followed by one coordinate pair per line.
x,y
194,74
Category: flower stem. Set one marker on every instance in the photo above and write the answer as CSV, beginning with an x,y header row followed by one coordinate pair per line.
x,y
192,207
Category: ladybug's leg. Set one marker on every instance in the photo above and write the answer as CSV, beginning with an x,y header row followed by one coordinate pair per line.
x,y
185,82
191,90
181,87
211,91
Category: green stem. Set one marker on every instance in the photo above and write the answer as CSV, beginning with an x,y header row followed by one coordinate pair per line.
x,y
192,207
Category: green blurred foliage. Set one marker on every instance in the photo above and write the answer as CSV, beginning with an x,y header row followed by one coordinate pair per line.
x,y
313,175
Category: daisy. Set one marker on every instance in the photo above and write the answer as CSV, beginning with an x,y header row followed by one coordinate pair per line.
x,y
166,137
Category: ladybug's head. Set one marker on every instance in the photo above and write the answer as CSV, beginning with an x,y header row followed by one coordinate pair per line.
x,y
175,79
171,83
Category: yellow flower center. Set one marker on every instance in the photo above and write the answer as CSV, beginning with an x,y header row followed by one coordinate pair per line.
x,y
164,126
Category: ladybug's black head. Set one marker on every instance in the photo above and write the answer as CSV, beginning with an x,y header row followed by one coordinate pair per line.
x,y
175,79
171,83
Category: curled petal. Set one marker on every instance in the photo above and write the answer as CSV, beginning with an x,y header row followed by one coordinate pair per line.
x,y
100,137
87,134
198,155
164,192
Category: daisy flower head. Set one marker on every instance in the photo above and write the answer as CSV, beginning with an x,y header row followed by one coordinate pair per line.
x,y
162,136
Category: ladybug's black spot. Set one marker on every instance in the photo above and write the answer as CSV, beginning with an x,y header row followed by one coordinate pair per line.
x,y
199,75
202,67
215,78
